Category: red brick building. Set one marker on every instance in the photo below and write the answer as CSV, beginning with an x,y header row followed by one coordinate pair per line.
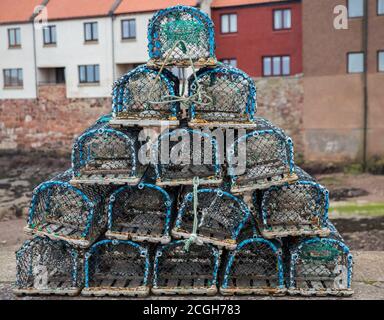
x,y
261,37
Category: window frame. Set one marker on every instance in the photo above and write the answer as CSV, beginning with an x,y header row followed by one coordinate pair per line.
x,y
281,58
229,60
50,27
122,29
378,60
93,39
377,8
356,52
19,83
229,14
356,17
282,19
86,73
14,30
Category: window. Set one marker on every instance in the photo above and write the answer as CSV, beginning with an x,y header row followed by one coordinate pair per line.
x,y
128,29
380,7
89,73
380,61
232,62
276,66
356,62
282,19
14,39
90,31
49,35
13,77
229,23
355,8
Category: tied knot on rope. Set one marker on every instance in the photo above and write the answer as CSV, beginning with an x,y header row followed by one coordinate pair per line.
x,y
193,237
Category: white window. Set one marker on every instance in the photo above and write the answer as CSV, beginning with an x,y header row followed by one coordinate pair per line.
x,y
355,8
14,39
90,31
276,66
13,77
380,61
89,73
128,29
229,23
356,62
380,7
282,19
49,35
231,62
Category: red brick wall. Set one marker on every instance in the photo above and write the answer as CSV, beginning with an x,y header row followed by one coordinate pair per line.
x,y
256,38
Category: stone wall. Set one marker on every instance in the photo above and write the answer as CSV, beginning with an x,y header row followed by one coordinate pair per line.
x,y
52,121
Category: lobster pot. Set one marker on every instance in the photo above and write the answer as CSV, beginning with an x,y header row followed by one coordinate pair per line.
x,y
141,213
320,266
255,267
182,154
260,159
220,215
143,97
116,267
103,155
228,98
61,211
298,209
179,34
44,266
181,271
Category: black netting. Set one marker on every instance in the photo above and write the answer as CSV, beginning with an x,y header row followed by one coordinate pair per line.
x,y
221,217
114,264
227,95
63,211
177,156
300,208
140,213
255,265
179,33
177,268
44,265
142,94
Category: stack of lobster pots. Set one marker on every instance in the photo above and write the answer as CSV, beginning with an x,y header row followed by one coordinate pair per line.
x,y
182,189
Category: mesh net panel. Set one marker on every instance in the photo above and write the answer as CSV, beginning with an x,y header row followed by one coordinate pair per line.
x,y
43,264
219,215
179,268
139,211
179,33
63,210
116,264
141,94
105,150
228,95
255,265
180,164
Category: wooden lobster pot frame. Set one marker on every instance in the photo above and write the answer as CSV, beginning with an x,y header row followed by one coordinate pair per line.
x,y
143,97
103,155
221,218
320,267
45,266
180,271
169,172
269,160
116,268
228,98
179,34
141,213
298,209
255,267
61,211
